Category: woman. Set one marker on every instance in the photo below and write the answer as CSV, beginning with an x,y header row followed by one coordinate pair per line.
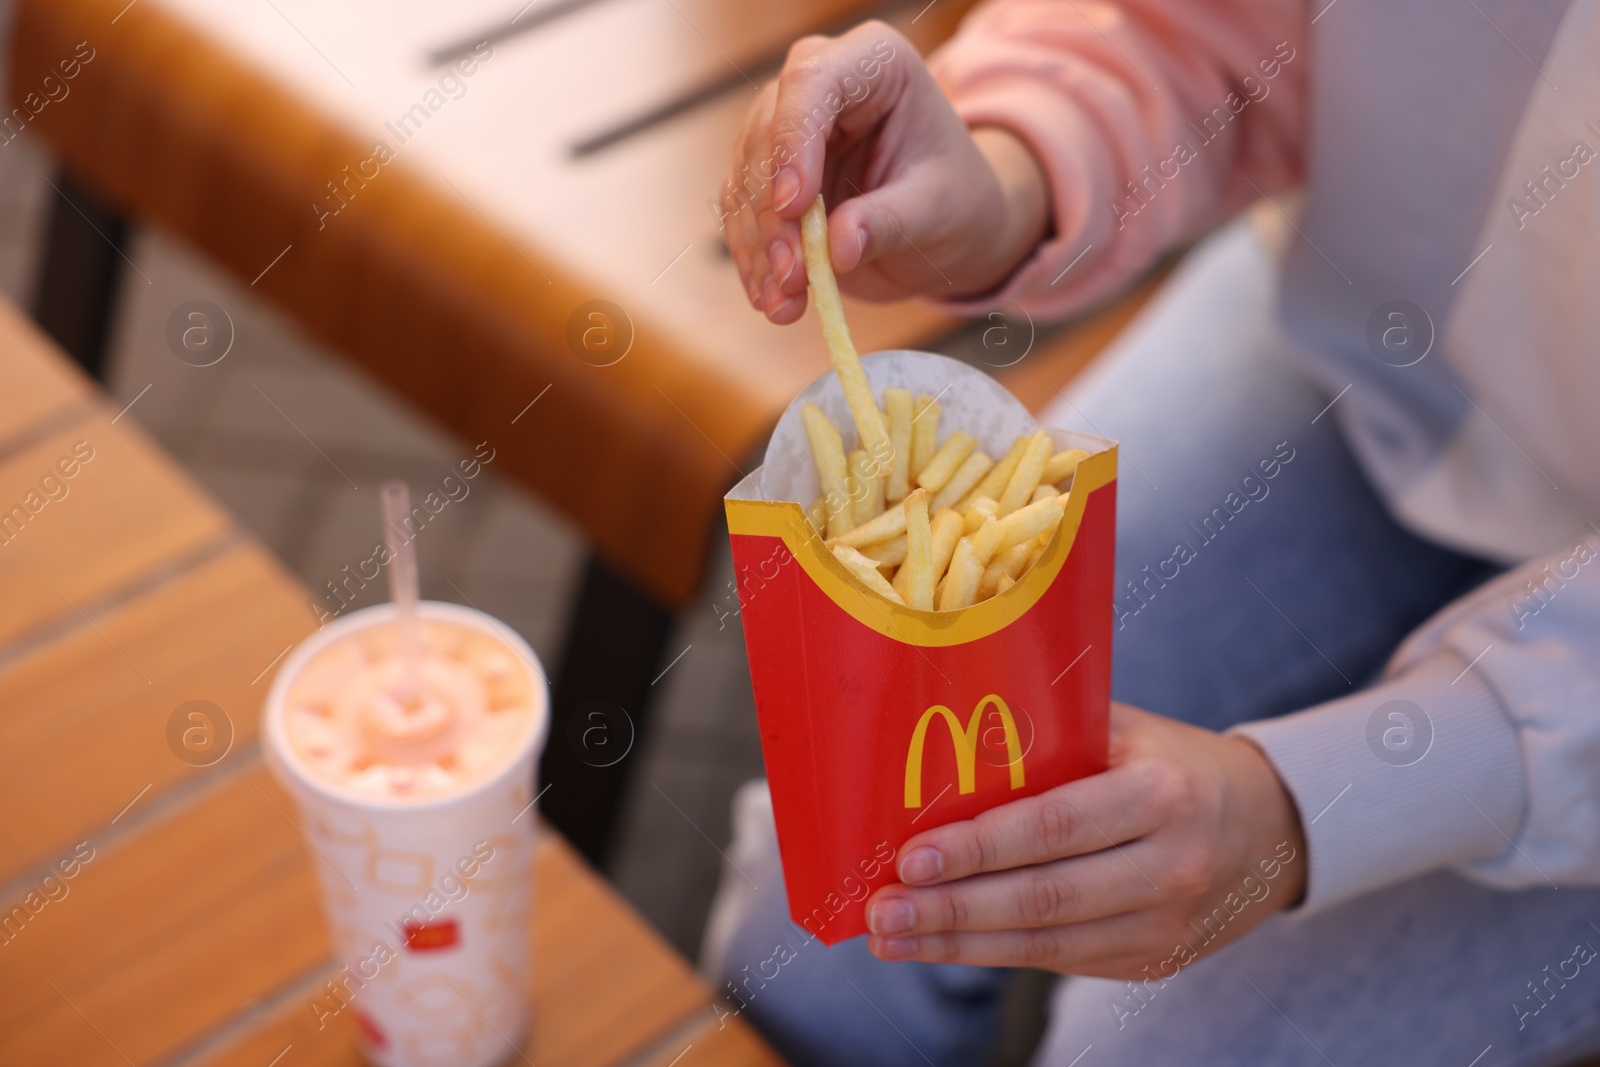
x,y
1373,672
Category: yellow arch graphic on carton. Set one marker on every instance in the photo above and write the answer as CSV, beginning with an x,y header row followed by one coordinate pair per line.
x,y
966,747
786,520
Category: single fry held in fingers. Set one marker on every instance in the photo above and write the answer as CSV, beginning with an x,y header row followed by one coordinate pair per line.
x,y
836,335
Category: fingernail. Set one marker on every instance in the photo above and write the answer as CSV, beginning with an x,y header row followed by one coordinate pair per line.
x,y
785,187
782,260
771,296
921,865
892,916
894,948
861,244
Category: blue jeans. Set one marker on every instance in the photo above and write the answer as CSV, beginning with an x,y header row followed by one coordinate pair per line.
x,y
1294,589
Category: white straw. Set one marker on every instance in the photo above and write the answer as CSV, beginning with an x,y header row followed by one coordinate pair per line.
x,y
403,586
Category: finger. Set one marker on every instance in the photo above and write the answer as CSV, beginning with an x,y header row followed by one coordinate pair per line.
x,y
789,311
735,235
1101,946
740,227
1084,816
1049,894
853,81
749,187
871,226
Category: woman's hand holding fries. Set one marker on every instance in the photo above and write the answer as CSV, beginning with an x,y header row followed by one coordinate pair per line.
x,y
1108,875
925,206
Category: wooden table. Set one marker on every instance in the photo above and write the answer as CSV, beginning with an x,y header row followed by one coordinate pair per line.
x,y
188,930
571,165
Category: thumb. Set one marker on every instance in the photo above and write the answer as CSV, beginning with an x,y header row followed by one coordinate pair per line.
x,y
873,225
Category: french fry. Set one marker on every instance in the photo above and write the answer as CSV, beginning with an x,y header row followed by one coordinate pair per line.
x,y
890,553
1029,523
866,487
947,530
890,523
969,474
836,335
1062,465
924,433
917,588
982,508
967,564
942,467
818,514
1038,550
827,451
1006,582
1025,479
898,404
994,483
866,570
1006,564
1044,492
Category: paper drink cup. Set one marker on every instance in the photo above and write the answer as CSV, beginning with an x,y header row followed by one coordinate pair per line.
x,y
426,897
879,721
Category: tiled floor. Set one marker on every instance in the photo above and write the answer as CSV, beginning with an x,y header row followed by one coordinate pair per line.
x,y
295,444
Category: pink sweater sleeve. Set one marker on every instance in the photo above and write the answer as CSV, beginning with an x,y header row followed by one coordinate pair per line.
x,y
1153,118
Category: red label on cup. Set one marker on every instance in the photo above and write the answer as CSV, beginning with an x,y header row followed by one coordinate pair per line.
x,y
429,936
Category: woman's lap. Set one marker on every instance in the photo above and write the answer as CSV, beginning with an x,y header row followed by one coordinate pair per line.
x,y
1432,971
1257,574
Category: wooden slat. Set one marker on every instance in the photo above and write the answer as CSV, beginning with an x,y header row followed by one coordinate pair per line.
x,y
605,985
79,726
32,386
166,937
126,512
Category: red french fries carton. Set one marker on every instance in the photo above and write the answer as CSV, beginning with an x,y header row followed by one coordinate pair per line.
x,y
879,721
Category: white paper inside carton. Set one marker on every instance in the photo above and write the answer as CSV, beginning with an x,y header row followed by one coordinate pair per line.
x,y
969,400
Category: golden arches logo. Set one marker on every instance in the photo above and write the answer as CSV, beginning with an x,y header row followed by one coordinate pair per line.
x,y
965,743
